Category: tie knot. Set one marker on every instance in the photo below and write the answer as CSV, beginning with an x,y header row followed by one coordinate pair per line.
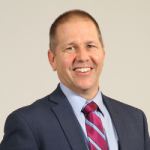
x,y
89,107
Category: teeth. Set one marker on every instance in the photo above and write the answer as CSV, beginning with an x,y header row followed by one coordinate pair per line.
x,y
82,69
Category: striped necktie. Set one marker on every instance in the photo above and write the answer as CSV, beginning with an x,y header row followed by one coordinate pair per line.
x,y
94,128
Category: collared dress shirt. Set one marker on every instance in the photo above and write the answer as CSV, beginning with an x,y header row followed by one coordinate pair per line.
x,y
77,102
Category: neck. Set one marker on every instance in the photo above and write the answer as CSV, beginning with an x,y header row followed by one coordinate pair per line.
x,y
88,95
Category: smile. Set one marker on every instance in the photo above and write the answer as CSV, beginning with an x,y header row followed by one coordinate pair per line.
x,y
82,69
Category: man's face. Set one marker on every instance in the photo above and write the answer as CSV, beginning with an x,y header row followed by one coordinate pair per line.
x,y
79,56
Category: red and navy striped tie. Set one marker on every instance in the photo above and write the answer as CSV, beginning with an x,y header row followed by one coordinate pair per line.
x,y
94,128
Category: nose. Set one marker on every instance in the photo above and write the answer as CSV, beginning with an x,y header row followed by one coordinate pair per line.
x,y
82,55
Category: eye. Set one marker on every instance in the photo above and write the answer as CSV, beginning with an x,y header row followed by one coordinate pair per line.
x,y
90,46
70,48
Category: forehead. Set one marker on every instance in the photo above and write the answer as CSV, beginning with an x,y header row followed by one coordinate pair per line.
x,y
76,27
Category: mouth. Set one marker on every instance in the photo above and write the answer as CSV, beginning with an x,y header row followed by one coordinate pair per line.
x,y
82,69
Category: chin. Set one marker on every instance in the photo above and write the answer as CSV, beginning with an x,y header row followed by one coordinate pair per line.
x,y
85,87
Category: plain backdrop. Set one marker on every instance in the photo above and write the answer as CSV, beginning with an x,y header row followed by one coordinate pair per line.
x,y
25,73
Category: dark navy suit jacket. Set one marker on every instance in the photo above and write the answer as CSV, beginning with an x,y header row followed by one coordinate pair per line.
x,y
50,124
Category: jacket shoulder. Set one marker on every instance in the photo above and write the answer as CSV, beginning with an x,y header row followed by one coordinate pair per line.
x,y
38,109
121,107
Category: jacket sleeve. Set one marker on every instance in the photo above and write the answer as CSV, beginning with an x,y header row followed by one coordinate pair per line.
x,y
17,134
146,134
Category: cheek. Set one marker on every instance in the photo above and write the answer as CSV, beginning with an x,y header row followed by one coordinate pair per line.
x,y
98,60
65,62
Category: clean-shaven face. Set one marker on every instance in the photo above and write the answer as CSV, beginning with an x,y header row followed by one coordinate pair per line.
x,y
79,56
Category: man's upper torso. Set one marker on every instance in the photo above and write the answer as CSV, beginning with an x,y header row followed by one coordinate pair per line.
x,y
50,123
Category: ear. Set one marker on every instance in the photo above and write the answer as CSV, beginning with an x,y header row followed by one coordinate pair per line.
x,y
103,49
52,61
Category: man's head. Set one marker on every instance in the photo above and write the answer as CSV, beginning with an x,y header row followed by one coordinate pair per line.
x,y
66,17
78,55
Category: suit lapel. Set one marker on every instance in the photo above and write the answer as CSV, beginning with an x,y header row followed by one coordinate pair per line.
x,y
117,120
68,120
71,126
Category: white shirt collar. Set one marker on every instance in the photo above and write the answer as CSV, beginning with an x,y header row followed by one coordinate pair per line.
x,y
77,102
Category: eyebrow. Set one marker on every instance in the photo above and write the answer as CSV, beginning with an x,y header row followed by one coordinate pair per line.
x,y
86,42
70,43
90,41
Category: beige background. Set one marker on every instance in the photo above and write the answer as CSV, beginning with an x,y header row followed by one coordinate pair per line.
x,y
25,73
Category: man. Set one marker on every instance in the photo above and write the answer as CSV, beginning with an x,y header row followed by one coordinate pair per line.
x,y
76,115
